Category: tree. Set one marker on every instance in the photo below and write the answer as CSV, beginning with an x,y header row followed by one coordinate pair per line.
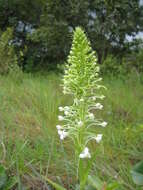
x,y
8,57
46,30
107,23
112,21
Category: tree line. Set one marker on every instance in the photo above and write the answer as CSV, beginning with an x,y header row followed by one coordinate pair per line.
x,y
42,29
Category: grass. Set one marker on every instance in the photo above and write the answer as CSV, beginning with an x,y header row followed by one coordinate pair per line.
x,y
28,116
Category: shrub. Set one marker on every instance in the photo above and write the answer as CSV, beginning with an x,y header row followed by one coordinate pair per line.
x,y
131,63
8,58
134,61
111,66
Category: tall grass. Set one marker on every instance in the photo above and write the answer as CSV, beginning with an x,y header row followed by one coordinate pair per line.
x,y
28,116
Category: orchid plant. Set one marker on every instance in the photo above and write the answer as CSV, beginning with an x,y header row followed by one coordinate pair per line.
x,y
82,81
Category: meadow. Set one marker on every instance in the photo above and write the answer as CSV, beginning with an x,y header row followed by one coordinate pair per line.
x,y
30,146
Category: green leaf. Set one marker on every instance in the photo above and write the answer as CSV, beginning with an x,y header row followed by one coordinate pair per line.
x,y
11,183
137,173
95,182
89,187
3,177
113,186
55,185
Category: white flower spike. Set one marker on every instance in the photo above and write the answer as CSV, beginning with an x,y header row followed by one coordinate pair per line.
x,y
81,81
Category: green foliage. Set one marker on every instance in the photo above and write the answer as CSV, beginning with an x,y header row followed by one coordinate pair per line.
x,y
55,185
111,66
139,60
131,63
134,61
53,41
8,58
3,177
12,11
137,173
98,184
5,182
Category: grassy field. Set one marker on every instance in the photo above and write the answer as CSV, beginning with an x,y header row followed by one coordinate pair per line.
x,y
31,147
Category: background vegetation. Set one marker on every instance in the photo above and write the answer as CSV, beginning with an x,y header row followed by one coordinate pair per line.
x,y
28,116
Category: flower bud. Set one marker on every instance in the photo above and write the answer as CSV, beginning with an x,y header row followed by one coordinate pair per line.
x,y
61,108
80,123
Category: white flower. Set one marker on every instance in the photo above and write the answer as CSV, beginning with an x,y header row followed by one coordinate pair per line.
x,y
91,116
66,108
58,127
85,153
94,98
97,69
61,118
99,106
81,100
61,109
103,124
66,82
63,134
76,101
116,176
80,123
98,138
66,113
64,90
102,97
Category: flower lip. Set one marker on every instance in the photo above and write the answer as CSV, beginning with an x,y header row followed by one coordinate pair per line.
x,y
85,153
99,106
63,134
98,138
91,116
104,124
